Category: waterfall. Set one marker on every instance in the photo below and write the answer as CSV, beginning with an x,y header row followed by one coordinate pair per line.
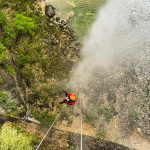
x,y
113,76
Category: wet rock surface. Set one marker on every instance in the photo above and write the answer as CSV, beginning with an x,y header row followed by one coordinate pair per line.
x,y
90,143
62,140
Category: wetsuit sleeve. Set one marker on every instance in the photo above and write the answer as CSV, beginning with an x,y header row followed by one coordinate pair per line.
x,y
66,93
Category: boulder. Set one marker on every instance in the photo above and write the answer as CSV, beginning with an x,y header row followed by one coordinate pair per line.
x,y
50,11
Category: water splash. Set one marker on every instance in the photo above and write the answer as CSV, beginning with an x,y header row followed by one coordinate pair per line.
x,y
113,75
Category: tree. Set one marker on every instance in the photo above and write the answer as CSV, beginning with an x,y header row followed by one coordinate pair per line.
x,y
11,139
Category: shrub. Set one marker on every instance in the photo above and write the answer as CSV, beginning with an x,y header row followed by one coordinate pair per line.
x,y
55,89
4,61
11,139
10,69
45,118
100,133
133,117
27,72
9,35
109,113
88,119
9,105
24,24
3,55
3,3
23,59
1,80
3,19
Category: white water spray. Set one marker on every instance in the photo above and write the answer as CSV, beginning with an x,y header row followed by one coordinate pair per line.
x,y
120,31
119,42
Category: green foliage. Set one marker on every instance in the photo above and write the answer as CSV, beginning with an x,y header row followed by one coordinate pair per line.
x,y
11,139
37,94
4,60
3,55
24,24
65,115
1,80
55,89
23,59
9,35
3,19
29,53
3,3
100,133
10,69
8,31
133,117
85,12
88,119
70,146
109,113
82,22
70,121
9,105
27,72
45,118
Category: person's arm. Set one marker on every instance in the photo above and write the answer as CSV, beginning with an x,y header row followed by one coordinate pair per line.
x,y
66,93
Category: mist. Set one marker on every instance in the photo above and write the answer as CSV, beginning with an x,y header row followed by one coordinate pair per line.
x,y
114,71
117,36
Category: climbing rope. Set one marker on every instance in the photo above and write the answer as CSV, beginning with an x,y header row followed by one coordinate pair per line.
x,y
81,124
50,128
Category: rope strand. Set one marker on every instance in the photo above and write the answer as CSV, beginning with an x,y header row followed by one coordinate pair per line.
x,y
81,124
50,128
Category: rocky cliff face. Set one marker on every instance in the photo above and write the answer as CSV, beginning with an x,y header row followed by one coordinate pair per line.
x,y
37,55
69,140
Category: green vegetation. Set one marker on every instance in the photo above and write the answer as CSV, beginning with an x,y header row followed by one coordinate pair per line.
x,y
9,35
11,139
83,21
35,61
85,13
3,55
8,31
100,133
24,24
109,113
88,119
2,19
69,146
133,117
67,115
9,105
1,80
45,118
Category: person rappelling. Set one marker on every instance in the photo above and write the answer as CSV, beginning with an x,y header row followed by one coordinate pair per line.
x,y
70,98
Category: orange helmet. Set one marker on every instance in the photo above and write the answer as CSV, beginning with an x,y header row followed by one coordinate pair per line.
x,y
72,97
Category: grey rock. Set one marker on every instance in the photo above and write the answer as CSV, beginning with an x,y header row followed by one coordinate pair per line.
x,y
50,11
